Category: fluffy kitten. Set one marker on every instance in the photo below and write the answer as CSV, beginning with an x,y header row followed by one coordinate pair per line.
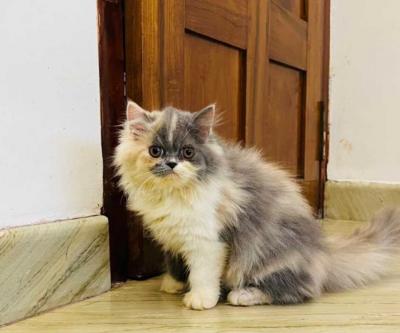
x,y
229,221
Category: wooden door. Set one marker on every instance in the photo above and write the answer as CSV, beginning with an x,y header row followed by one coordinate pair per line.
x,y
287,122
261,61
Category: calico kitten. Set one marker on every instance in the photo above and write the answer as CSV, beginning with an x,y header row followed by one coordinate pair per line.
x,y
227,220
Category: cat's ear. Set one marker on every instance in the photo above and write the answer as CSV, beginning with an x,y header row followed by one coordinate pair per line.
x,y
203,122
137,117
134,111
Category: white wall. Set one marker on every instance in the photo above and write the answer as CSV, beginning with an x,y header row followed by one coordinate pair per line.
x,y
50,152
365,90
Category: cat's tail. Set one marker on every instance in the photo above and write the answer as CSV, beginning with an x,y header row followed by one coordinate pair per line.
x,y
366,254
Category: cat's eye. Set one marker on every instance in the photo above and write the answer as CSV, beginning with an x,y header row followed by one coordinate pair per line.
x,y
155,151
188,152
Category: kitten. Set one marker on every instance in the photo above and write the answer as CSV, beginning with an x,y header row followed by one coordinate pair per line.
x,y
227,220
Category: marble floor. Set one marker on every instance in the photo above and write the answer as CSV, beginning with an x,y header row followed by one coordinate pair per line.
x,y
138,306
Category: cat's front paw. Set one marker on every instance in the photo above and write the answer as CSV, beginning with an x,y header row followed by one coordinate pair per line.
x,y
203,300
171,286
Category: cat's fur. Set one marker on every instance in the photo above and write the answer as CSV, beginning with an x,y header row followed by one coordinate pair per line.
x,y
229,221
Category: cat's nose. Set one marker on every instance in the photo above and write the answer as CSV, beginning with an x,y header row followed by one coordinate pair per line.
x,y
171,164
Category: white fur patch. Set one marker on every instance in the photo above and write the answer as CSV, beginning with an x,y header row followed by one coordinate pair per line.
x,y
248,296
172,127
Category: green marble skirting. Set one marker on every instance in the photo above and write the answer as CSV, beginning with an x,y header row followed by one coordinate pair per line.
x,y
358,201
47,265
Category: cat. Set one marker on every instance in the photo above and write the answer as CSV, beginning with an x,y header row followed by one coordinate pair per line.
x,y
229,221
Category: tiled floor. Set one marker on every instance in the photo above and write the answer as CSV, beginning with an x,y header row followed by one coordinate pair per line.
x,y
140,307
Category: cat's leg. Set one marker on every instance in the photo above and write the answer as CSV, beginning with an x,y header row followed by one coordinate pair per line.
x,y
289,287
171,286
206,261
248,296
175,279
281,287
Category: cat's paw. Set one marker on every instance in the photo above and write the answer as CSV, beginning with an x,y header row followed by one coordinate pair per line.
x,y
247,297
203,300
171,286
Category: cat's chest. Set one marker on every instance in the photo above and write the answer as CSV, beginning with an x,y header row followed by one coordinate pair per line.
x,y
178,224
181,233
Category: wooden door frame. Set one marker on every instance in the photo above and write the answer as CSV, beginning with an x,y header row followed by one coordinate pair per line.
x,y
112,64
324,139
112,109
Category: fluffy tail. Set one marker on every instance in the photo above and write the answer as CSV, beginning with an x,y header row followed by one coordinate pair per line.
x,y
365,255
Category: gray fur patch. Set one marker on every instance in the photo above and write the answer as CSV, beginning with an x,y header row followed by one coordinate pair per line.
x,y
183,134
264,222
287,287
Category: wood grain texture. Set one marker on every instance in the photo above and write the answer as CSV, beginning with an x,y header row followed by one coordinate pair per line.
x,y
213,73
314,92
288,43
256,68
112,108
172,53
285,113
296,7
325,99
225,21
138,306
294,44
142,50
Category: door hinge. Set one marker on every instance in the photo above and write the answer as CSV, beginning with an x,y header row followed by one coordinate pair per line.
x,y
322,131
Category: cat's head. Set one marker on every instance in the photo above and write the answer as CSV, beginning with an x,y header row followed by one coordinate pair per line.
x,y
168,148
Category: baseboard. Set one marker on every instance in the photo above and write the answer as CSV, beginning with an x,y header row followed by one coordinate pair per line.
x,y
358,201
44,266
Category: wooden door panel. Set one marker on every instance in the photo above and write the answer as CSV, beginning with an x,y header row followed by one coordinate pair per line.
x,y
296,7
205,66
282,141
225,21
288,38
213,73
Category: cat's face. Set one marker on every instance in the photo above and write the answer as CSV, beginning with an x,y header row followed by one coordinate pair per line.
x,y
171,148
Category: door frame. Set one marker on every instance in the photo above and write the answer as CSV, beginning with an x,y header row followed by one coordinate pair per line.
x,y
112,109
324,138
112,64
